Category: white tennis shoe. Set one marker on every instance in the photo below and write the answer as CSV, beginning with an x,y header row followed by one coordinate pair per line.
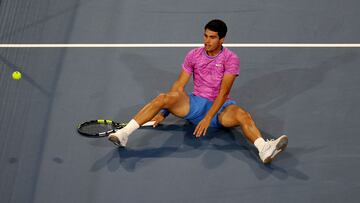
x,y
119,139
272,148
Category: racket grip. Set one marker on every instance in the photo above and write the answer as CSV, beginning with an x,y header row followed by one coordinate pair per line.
x,y
149,123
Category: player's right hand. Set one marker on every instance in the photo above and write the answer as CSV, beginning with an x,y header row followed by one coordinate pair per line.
x,y
158,119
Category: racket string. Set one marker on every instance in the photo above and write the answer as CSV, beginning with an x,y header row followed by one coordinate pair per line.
x,y
97,129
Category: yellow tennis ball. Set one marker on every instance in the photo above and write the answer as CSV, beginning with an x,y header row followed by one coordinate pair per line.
x,y
16,75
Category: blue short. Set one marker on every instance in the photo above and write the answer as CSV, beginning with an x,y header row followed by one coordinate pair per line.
x,y
199,106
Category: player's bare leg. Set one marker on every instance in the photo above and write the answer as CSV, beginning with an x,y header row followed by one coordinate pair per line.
x,y
234,116
178,103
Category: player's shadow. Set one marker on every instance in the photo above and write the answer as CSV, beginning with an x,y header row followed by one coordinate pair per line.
x,y
213,150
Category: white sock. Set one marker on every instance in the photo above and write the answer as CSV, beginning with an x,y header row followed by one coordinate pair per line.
x,y
128,129
259,143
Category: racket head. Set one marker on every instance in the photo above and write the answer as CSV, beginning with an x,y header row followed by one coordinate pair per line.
x,y
99,128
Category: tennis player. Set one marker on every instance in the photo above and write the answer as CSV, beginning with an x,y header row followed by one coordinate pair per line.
x,y
214,69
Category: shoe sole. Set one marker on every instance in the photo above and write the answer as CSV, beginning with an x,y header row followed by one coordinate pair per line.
x,y
115,140
280,147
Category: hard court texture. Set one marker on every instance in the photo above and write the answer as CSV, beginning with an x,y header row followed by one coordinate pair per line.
x,y
310,94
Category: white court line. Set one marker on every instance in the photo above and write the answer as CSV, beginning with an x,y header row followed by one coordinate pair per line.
x,y
179,45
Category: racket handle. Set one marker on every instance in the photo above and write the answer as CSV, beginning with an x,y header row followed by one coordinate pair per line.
x,y
149,123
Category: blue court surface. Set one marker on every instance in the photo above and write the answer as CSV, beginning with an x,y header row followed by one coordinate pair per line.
x,y
310,94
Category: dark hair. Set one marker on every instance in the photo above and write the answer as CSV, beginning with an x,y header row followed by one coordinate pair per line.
x,y
218,26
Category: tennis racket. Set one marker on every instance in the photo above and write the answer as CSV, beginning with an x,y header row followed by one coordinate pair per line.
x,y
102,128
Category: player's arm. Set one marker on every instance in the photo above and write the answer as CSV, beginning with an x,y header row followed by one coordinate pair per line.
x,y
226,85
178,86
180,83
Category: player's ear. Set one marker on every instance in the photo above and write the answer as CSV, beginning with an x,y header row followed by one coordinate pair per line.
x,y
222,40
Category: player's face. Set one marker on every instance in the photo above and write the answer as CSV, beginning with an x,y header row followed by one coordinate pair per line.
x,y
212,42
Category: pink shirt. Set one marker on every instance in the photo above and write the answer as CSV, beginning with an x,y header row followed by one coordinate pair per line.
x,y
209,70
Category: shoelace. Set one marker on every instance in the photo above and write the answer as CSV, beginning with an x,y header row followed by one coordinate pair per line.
x,y
267,144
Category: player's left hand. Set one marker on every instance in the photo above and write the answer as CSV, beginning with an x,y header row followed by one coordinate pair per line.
x,y
202,127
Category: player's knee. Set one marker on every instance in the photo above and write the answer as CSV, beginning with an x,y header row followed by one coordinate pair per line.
x,y
160,100
244,118
165,99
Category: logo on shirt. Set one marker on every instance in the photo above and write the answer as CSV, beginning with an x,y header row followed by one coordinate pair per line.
x,y
218,65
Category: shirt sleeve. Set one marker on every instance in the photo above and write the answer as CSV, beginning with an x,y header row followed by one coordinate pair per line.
x,y
188,64
232,65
